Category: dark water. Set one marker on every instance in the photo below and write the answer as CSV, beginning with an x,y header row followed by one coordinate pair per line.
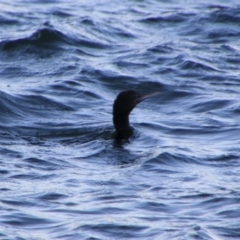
x,y
63,63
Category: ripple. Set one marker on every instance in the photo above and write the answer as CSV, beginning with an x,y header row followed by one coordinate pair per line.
x,y
122,230
23,220
169,18
188,64
166,158
32,176
210,105
41,164
8,21
52,196
161,49
18,109
225,15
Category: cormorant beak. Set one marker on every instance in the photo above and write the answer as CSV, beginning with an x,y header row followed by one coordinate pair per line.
x,y
144,97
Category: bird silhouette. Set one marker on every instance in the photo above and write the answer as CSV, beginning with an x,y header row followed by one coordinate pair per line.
x,y
125,102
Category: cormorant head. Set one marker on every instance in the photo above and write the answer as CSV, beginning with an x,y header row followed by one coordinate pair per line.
x,y
127,100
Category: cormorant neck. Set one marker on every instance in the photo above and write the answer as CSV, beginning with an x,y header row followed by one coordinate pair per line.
x,y
122,126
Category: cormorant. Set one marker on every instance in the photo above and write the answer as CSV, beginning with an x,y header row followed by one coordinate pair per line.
x,y
123,105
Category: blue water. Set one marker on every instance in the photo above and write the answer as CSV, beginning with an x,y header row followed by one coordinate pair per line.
x,y
62,63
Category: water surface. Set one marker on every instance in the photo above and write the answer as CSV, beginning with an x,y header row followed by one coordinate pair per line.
x,y
61,67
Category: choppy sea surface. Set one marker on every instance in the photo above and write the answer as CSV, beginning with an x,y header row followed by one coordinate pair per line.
x,y
62,176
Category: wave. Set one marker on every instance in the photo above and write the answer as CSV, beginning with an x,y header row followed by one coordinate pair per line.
x,y
167,160
194,65
206,106
23,106
49,37
168,18
225,15
4,20
40,38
